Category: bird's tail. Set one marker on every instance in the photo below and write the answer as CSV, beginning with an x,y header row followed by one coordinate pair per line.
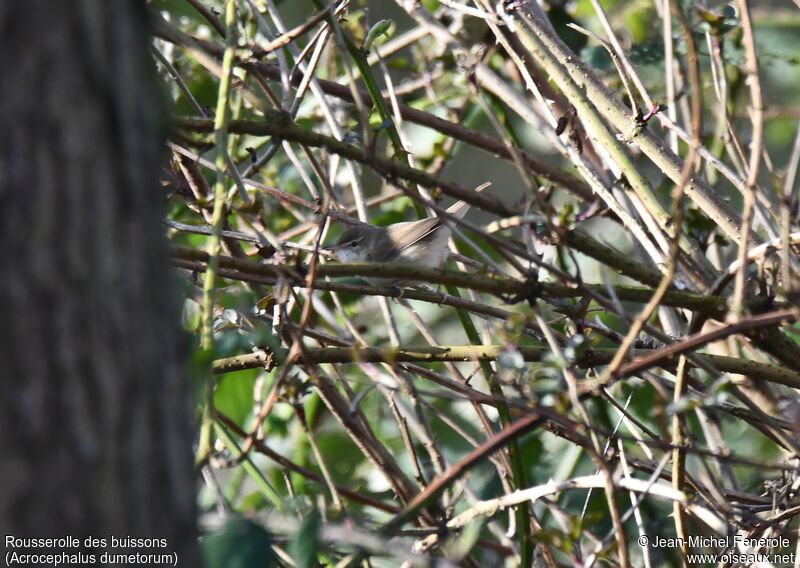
x,y
460,208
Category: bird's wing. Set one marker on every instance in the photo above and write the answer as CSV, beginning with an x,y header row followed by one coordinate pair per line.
x,y
404,235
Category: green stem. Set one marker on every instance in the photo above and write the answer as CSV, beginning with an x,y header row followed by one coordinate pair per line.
x,y
255,473
217,220
517,467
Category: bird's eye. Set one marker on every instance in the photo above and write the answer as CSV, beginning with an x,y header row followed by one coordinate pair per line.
x,y
353,244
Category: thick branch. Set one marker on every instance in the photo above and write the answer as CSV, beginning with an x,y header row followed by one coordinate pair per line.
x,y
466,353
709,305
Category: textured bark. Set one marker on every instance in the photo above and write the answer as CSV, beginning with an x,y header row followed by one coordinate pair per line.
x,y
95,432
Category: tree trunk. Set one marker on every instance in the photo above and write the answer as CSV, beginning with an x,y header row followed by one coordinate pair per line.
x,y
95,433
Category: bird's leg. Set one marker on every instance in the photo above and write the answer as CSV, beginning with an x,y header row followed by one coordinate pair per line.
x,y
395,290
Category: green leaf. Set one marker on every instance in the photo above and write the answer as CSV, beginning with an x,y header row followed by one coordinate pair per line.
x,y
381,28
460,546
305,545
240,544
191,316
252,502
234,394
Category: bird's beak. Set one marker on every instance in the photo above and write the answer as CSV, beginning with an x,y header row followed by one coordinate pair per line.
x,y
330,251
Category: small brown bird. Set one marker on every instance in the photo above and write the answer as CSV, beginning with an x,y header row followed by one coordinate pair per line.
x,y
418,243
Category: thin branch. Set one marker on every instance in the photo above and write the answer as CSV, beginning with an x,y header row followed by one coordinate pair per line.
x,y
474,353
756,145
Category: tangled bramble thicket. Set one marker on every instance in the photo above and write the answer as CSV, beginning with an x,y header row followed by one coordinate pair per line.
x,y
610,354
